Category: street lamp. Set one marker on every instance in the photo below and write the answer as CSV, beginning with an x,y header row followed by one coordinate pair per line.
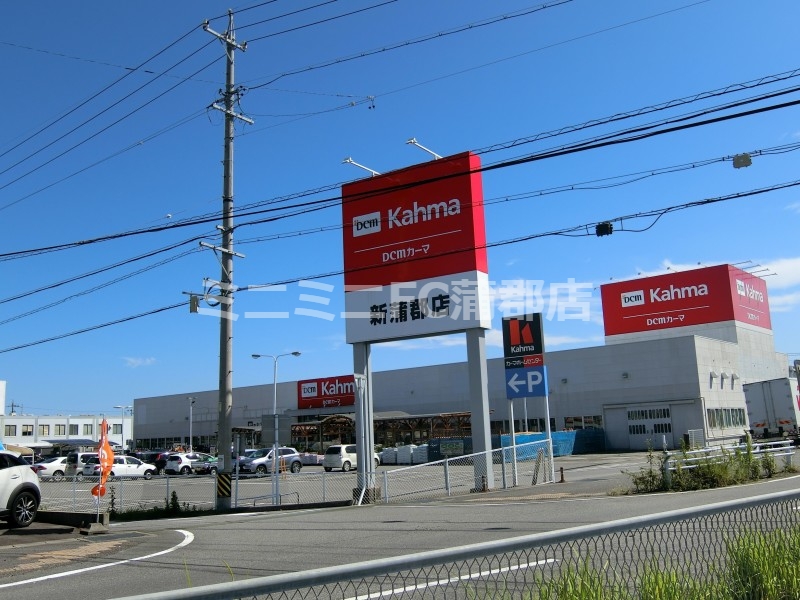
x,y
275,479
122,424
191,400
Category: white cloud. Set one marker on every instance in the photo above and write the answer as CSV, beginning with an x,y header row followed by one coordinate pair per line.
x,y
787,273
784,302
428,343
551,341
133,363
794,207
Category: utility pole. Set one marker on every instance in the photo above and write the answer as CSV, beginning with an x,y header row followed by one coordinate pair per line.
x,y
226,316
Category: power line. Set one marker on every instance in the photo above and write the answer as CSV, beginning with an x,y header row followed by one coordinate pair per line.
x,y
568,231
104,129
636,134
131,71
398,45
95,327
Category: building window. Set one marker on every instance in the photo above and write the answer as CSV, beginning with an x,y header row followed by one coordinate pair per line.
x,y
11,431
87,429
116,429
44,429
721,418
584,422
61,429
73,429
27,430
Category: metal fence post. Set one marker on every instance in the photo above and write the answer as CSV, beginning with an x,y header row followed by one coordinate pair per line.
x,y
324,490
503,469
447,475
167,498
386,486
666,471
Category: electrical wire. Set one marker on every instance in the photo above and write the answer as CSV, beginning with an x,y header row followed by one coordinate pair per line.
x,y
104,129
99,287
313,206
560,232
135,145
402,44
130,71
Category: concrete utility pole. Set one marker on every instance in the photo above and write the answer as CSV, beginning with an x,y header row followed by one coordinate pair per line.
x,y
224,436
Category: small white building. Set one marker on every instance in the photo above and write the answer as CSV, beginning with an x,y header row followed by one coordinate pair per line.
x,y
55,433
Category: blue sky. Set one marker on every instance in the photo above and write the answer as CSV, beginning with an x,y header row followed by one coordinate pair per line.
x,y
99,140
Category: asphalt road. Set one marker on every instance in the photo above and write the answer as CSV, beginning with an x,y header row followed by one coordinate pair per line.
x,y
148,556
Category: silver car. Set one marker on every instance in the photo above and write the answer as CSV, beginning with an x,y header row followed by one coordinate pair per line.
x,y
261,461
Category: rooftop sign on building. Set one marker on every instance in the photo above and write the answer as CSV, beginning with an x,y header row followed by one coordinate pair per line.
x,y
685,299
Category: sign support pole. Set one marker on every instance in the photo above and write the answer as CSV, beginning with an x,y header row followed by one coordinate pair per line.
x,y
365,435
479,407
549,436
513,443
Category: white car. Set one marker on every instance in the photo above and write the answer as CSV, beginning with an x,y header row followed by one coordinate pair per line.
x,y
20,494
344,457
124,466
182,463
52,468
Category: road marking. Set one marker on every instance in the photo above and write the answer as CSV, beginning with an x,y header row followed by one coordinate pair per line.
x,y
456,579
188,538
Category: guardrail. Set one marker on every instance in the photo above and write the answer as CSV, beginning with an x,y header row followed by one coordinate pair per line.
x,y
737,548
672,462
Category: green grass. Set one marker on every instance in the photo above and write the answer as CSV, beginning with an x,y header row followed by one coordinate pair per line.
x,y
758,566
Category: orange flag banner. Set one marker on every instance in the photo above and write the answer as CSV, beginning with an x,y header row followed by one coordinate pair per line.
x,y
106,456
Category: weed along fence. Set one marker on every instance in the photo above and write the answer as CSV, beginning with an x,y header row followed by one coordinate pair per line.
x,y
743,549
714,466
766,457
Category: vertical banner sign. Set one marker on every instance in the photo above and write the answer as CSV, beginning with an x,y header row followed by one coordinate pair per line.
x,y
523,352
106,457
523,341
415,252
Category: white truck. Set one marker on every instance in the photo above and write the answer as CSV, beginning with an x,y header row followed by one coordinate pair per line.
x,y
772,408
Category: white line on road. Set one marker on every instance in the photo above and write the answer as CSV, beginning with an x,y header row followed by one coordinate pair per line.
x,y
188,538
449,580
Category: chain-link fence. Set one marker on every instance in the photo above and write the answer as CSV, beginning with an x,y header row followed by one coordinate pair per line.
x,y
524,464
744,549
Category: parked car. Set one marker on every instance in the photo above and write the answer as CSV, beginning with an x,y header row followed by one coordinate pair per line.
x,y
20,494
51,468
343,456
204,464
261,461
123,466
181,463
75,463
161,462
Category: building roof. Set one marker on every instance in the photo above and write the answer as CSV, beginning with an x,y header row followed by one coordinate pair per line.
x,y
73,442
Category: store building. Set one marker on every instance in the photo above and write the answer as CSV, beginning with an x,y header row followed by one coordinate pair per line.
x,y
677,351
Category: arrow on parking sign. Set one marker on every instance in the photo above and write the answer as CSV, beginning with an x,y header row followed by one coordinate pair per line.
x,y
528,382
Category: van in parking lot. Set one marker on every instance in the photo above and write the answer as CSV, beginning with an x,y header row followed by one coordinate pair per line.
x,y
75,463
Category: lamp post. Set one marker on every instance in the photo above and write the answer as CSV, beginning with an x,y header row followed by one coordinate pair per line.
x,y
122,424
191,400
276,490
